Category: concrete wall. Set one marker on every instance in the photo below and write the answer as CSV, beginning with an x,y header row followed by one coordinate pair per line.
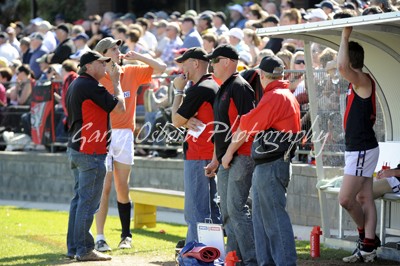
x,y
43,177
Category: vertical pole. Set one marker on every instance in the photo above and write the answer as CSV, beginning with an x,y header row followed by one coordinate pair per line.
x,y
312,96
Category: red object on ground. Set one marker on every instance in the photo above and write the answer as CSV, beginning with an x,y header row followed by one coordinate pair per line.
x,y
315,242
205,253
231,258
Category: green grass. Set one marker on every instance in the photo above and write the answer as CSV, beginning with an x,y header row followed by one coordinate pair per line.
x,y
37,237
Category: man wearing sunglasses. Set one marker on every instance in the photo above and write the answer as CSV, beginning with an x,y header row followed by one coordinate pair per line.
x,y
200,190
234,99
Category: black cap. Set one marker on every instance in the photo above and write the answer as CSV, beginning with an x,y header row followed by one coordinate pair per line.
x,y
272,65
194,52
63,27
206,16
3,35
225,50
91,56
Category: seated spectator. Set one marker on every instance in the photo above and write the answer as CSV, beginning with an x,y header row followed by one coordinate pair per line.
x,y
80,42
20,94
174,43
65,47
191,37
26,53
219,26
237,17
38,50
7,51
210,42
388,181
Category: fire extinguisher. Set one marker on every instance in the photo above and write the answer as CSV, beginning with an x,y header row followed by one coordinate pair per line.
x,y
314,242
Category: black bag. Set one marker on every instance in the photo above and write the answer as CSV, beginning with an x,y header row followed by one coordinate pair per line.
x,y
271,144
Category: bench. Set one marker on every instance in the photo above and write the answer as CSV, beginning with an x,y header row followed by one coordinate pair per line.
x,y
145,202
386,214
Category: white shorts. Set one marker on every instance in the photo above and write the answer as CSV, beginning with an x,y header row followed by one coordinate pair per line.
x,y
361,163
121,146
394,183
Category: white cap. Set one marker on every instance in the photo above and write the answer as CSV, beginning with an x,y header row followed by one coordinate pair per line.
x,y
45,25
316,13
245,57
237,8
236,32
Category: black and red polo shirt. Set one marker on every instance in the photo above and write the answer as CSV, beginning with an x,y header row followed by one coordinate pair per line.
x,y
200,99
234,99
359,120
89,105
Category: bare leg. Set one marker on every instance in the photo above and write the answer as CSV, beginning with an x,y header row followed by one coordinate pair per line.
x,y
101,215
366,200
122,174
380,187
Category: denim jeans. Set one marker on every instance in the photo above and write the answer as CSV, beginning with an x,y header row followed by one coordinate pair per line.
x,y
89,172
233,188
273,232
200,196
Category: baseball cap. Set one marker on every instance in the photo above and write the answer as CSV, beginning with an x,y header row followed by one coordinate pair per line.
x,y
106,44
37,36
195,53
81,36
236,32
150,15
221,15
272,65
185,18
237,8
225,50
127,16
248,3
63,27
316,13
91,56
45,25
325,3
205,16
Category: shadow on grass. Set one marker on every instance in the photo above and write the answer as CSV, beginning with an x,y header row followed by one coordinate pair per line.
x,y
39,259
157,235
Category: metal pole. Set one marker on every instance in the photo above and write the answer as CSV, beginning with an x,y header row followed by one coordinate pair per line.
x,y
312,96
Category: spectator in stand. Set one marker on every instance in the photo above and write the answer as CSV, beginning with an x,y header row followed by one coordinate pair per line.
x,y
275,44
204,23
81,46
76,30
38,50
174,43
252,40
59,19
95,33
315,15
196,102
269,7
161,35
237,18
210,42
385,5
106,22
286,56
256,13
290,17
191,36
20,94
147,36
234,99
286,5
5,77
372,10
65,47
151,18
132,43
44,63
127,19
121,151
6,49
121,33
26,53
174,17
49,40
219,20
236,36
89,103
12,39
328,7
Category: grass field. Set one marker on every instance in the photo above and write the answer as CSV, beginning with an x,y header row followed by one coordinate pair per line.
x,y
37,237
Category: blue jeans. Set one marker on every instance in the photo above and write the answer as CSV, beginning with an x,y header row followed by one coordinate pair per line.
x,y
200,196
89,172
233,188
273,232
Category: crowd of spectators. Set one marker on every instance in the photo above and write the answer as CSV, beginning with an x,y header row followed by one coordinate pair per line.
x,y
44,50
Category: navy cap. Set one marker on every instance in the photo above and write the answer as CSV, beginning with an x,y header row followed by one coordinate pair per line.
x,y
91,56
272,65
81,36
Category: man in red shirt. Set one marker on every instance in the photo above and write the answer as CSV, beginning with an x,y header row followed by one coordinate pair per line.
x,y
277,112
200,190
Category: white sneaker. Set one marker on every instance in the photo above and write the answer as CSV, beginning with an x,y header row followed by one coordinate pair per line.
x,y
102,246
361,256
126,242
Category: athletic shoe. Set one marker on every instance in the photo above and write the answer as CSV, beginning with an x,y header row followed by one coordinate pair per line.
x,y
361,256
102,246
359,244
94,255
125,243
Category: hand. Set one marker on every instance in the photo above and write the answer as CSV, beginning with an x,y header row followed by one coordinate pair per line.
x,y
193,123
114,70
347,31
211,168
131,55
180,82
226,160
384,173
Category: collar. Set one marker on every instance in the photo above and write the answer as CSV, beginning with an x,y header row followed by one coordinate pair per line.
x,y
277,84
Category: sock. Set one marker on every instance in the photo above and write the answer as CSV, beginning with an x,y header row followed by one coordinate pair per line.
x,y
361,233
100,237
124,210
368,244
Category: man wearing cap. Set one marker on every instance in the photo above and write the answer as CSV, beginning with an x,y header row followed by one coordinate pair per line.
x,y
38,50
316,14
174,43
89,105
121,151
278,110
238,20
327,7
234,99
80,42
200,190
191,37
49,40
204,23
65,47
6,49
219,26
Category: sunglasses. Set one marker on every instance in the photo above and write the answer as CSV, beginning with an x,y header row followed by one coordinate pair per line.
x,y
216,60
299,61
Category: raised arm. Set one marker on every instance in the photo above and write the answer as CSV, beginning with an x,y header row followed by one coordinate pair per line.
x,y
158,66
